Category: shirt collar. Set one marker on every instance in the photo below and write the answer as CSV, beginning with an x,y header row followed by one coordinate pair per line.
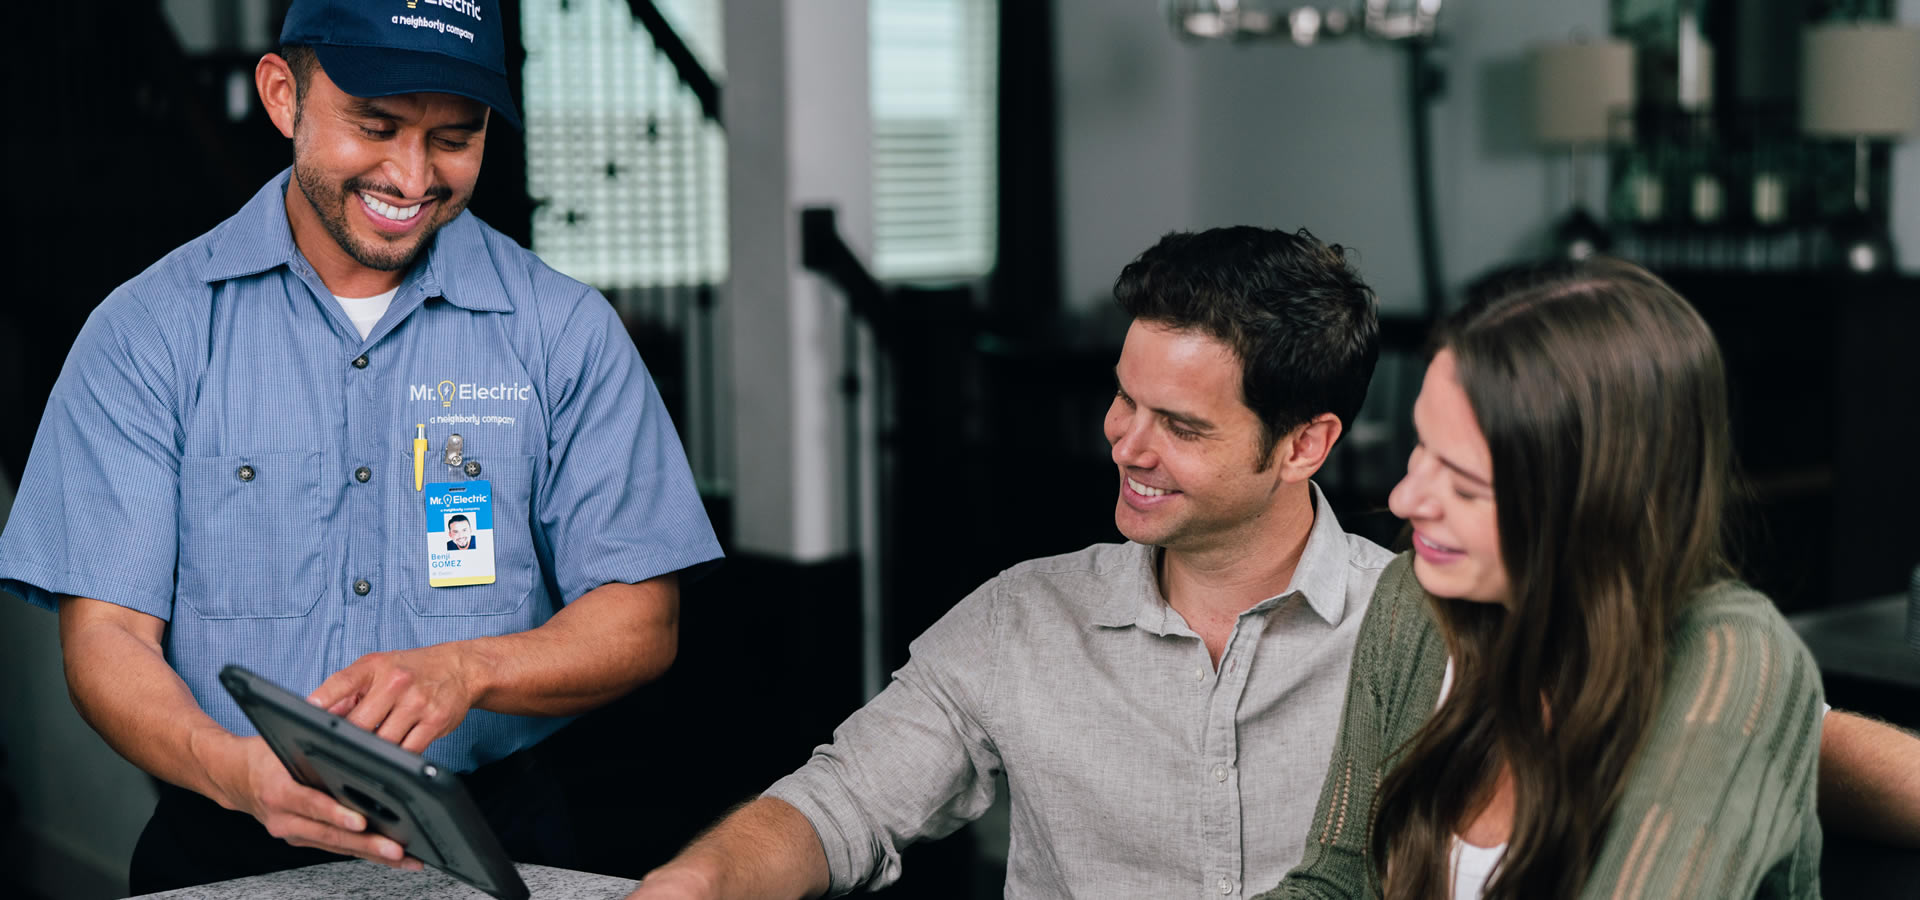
x,y
1320,576
457,267
1135,598
460,268
256,238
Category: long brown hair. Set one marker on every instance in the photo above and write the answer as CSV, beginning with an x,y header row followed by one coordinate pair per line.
x,y
1603,399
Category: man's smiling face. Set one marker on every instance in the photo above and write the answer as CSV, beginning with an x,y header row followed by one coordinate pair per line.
x,y
380,175
1186,446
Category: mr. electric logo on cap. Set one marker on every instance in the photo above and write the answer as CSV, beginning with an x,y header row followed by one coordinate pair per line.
x,y
467,7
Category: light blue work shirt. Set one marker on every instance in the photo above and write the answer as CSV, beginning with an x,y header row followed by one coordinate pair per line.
x,y
199,460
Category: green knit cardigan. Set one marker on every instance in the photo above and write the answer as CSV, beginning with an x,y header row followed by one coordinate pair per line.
x,y
1719,803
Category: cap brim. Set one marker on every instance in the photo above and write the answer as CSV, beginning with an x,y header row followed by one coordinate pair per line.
x,y
384,72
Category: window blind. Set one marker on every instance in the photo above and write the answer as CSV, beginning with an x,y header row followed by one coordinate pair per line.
x,y
934,78
628,177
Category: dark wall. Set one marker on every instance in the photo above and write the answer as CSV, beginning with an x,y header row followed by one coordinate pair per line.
x,y
118,152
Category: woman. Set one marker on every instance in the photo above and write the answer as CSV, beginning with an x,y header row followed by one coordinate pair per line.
x,y
1563,693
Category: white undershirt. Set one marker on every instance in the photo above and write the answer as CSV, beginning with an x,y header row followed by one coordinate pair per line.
x,y
366,311
1471,865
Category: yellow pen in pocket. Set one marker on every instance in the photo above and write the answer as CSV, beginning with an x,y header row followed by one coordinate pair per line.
x,y
419,457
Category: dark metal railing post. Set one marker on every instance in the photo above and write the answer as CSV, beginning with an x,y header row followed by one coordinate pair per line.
x,y
824,251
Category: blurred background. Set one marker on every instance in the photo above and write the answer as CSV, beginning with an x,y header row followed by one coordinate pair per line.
x,y
866,249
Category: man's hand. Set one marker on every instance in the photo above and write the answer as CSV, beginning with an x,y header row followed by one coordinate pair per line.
x,y
594,650
409,697
254,782
674,884
764,850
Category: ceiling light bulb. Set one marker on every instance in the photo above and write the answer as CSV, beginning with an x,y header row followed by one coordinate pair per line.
x,y
1304,23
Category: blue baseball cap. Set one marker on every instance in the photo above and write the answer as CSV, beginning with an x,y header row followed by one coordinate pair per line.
x,y
378,48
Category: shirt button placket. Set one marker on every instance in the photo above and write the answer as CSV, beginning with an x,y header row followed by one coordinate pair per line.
x,y
1225,820
369,436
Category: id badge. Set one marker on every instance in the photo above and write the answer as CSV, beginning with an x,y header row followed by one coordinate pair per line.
x,y
459,533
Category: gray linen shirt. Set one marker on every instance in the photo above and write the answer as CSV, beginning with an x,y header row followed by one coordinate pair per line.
x,y
1135,768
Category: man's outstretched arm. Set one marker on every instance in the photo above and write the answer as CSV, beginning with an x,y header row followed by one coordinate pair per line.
x,y
122,686
1870,780
613,639
764,850
913,763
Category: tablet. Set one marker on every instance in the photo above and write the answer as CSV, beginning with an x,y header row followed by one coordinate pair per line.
x,y
402,794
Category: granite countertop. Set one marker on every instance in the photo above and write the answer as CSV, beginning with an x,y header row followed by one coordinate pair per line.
x,y
359,878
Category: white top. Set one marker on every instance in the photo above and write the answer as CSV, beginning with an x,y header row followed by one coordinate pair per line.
x,y
366,311
1472,865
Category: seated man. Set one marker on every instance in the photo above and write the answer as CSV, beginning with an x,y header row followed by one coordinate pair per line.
x,y
1162,709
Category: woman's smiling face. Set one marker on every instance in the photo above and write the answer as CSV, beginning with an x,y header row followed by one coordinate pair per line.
x,y
1447,494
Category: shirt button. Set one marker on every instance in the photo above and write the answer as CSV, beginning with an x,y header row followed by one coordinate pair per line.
x,y
360,362
362,474
1220,773
1226,885
244,473
472,469
362,587
1199,674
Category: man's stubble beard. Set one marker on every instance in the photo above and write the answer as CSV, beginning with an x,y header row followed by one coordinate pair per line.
x,y
330,205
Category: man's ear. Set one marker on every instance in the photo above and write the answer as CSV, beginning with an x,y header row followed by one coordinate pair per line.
x,y
279,93
1303,452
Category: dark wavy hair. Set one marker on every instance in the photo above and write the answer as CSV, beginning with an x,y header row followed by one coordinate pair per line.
x,y
1603,398
1294,311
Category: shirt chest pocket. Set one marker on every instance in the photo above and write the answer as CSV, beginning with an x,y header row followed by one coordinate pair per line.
x,y
514,563
251,537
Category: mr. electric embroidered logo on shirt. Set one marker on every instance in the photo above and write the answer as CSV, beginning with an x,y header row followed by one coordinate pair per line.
x,y
448,391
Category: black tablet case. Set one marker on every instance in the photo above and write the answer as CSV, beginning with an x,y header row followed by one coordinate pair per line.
x,y
402,794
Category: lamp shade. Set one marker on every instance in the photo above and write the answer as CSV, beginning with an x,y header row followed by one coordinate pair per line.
x,y
1578,86
1860,80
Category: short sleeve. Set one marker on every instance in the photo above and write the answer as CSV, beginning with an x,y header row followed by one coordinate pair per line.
x,y
95,513
618,502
